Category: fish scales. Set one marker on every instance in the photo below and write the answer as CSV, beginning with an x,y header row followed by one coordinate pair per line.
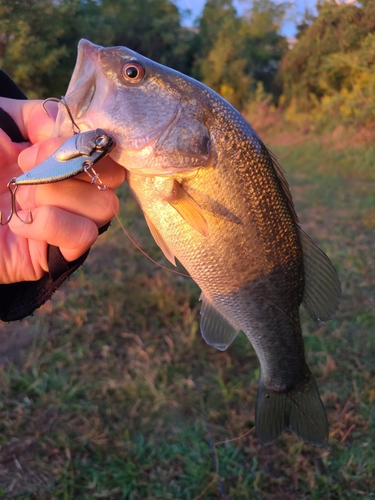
x,y
257,256
216,199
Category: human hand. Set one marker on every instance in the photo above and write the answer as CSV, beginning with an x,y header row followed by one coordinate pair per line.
x,y
65,214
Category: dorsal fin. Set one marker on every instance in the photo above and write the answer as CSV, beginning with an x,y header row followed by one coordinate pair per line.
x,y
160,241
215,329
322,285
188,208
322,291
280,172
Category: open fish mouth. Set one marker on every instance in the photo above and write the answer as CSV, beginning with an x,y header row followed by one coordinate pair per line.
x,y
82,86
99,95
91,93
85,104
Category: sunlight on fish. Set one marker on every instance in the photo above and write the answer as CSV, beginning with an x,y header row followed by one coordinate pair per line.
x,y
217,200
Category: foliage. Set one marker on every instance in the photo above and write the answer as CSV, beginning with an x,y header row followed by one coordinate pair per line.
x,y
38,43
225,67
150,27
237,53
215,16
29,50
232,54
330,73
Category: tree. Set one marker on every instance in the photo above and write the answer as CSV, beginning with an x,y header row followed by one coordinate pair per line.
x,y
38,42
215,16
150,27
28,49
265,47
330,72
335,30
236,54
225,67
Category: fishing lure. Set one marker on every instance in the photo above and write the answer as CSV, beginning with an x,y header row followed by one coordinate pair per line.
x,y
78,154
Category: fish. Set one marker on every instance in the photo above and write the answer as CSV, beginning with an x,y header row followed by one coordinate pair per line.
x,y
217,200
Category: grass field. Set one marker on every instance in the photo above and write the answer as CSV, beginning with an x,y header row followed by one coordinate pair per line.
x,y
115,394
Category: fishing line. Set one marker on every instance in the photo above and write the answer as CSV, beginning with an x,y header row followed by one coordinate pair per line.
x,y
187,275
140,249
216,477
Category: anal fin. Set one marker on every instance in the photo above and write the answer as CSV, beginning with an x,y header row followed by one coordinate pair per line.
x,y
215,329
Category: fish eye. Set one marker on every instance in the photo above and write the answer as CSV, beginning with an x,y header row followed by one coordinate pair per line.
x,y
133,72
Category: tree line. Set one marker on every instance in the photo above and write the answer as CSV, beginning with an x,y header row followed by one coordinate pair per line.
x,y
329,71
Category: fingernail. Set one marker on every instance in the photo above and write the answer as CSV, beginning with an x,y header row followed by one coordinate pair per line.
x,y
52,109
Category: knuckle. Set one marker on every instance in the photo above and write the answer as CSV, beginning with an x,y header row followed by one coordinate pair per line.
x,y
86,234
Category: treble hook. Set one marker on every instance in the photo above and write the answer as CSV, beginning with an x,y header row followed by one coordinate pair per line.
x,y
13,205
75,127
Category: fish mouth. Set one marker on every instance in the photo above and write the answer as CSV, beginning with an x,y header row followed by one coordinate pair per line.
x,y
82,86
93,100
82,96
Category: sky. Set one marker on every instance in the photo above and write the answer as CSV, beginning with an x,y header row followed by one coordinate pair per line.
x,y
288,29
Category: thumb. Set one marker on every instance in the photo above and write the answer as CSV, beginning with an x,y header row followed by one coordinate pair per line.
x,y
32,156
33,121
41,121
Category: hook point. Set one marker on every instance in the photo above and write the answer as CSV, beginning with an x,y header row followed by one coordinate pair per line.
x,y
31,218
49,99
13,210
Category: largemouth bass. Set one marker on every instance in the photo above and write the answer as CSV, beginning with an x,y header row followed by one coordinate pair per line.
x,y
217,200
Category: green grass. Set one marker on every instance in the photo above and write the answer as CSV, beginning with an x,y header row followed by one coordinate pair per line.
x,y
118,396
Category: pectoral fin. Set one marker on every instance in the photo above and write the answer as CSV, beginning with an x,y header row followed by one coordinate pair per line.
x,y
215,329
322,292
160,241
188,208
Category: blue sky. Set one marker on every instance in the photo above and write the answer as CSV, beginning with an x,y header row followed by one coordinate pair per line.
x,y
297,10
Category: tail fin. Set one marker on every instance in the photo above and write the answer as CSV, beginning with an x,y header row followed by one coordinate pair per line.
x,y
300,410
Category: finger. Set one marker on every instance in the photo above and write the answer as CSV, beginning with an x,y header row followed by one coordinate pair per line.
x,y
72,233
32,156
111,173
74,196
40,121
9,152
19,110
34,123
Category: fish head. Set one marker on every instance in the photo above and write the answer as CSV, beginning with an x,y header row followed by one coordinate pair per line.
x,y
159,125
